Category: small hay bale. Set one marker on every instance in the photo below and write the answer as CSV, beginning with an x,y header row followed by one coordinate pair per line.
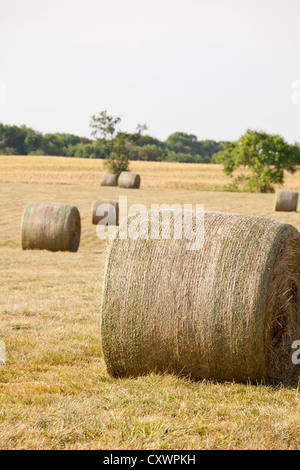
x,y
105,212
50,226
127,179
108,180
227,311
286,200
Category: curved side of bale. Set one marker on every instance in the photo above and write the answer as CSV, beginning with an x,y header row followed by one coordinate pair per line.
x,y
227,311
127,179
286,200
108,180
50,226
105,212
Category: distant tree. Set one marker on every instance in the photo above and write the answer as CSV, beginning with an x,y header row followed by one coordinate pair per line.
x,y
118,159
149,152
181,142
207,148
26,141
87,150
149,140
80,150
57,144
104,129
100,150
181,157
51,145
104,126
12,139
33,141
264,158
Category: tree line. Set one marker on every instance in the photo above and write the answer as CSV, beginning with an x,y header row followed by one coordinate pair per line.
x,y
260,158
178,147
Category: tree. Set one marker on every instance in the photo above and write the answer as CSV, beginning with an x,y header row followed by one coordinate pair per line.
x,y
12,139
149,152
264,158
33,141
104,128
180,142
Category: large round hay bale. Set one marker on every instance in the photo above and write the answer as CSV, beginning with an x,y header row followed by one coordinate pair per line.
x,y
108,180
50,226
286,200
127,179
105,212
227,311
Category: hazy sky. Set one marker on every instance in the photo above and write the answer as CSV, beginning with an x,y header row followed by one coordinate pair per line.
x,y
208,67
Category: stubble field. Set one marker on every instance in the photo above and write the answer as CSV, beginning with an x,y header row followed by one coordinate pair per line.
x,y
54,389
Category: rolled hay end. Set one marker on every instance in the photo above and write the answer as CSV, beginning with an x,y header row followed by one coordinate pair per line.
x,y
108,180
50,226
127,179
286,201
105,212
228,311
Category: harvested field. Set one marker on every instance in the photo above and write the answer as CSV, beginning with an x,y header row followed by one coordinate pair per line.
x,y
84,171
55,392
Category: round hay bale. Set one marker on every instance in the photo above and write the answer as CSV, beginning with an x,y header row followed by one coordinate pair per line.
x,y
108,180
127,179
50,226
105,212
227,311
286,200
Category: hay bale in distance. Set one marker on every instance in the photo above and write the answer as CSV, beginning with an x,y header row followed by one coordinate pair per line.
x,y
228,311
50,226
105,212
108,179
127,179
286,200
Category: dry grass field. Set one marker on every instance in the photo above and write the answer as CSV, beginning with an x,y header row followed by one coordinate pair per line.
x,y
85,172
54,390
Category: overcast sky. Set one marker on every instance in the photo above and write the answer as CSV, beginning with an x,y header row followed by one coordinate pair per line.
x,y
209,67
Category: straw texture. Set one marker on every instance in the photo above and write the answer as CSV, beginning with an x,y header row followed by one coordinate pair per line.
x,y
108,180
128,179
286,200
228,311
105,212
50,226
